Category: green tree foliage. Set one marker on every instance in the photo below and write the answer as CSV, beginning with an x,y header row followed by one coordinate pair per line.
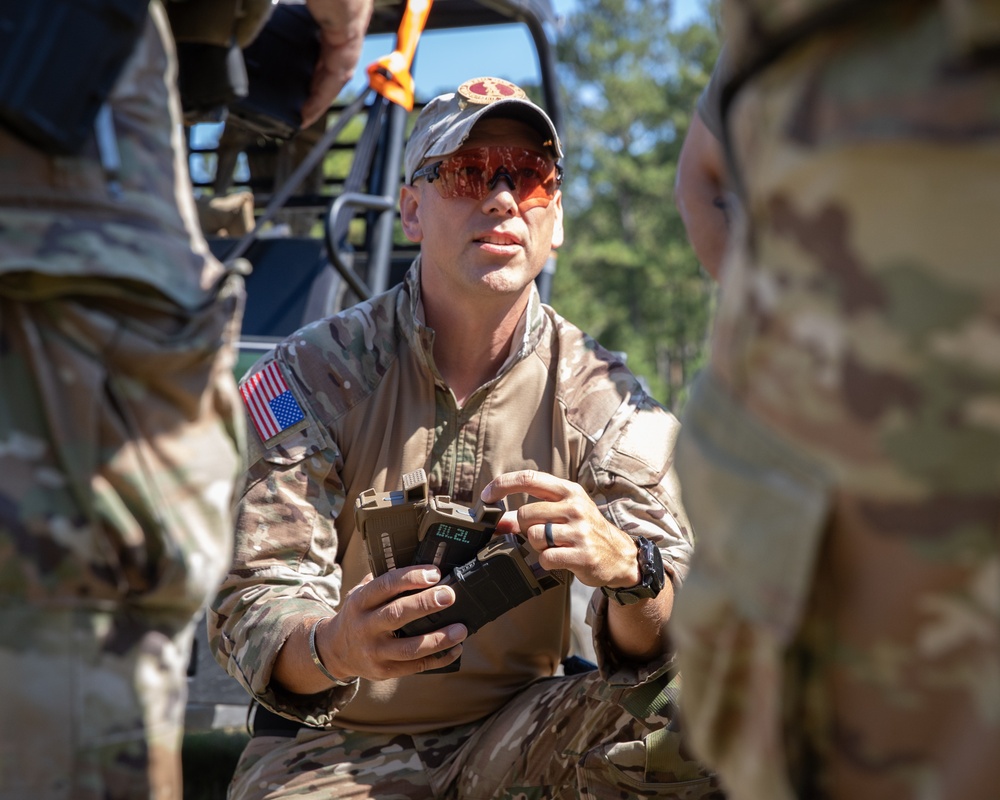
x,y
627,273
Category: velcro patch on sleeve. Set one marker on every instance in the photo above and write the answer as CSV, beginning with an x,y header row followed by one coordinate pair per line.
x,y
270,403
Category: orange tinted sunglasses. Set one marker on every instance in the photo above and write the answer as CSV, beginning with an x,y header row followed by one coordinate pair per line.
x,y
474,173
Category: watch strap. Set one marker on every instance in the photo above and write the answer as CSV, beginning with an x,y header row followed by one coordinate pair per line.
x,y
649,585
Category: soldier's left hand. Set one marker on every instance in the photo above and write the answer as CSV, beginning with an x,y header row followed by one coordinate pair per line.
x,y
579,538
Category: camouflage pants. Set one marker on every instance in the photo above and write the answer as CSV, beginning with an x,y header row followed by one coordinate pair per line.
x,y
93,703
839,630
118,464
560,738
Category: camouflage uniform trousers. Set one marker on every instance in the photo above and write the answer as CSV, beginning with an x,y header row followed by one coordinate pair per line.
x,y
563,737
119,457
839,630
120,430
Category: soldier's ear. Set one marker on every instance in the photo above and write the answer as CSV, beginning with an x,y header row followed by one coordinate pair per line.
x,y
558,233
409,216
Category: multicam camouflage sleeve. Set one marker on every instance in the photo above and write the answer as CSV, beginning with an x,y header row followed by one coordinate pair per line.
x,y
284,565
626,465
630,475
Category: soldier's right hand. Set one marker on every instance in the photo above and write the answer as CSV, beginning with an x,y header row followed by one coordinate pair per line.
x,y
360,640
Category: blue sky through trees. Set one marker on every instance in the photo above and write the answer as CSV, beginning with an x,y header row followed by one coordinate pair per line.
x,y
447,58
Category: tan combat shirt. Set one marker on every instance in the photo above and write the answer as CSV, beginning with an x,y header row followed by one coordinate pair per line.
x,y
376,408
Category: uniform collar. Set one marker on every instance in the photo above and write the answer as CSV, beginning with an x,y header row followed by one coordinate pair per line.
x,y
421,338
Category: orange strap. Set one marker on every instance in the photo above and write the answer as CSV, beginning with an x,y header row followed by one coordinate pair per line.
x,y
390,75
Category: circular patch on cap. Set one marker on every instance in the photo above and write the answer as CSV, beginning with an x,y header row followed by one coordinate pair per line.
x,y
483,91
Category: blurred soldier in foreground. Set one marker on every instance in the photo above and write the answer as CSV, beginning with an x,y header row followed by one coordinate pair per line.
x,y
839,632
701,190
119,426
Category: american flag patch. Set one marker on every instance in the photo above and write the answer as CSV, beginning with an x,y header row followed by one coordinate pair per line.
x,y
272,406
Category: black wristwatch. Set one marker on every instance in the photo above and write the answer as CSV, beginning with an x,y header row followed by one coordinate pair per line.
x,y
651,581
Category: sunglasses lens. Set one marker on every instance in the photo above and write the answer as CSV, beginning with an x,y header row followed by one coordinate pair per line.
x,y
474,174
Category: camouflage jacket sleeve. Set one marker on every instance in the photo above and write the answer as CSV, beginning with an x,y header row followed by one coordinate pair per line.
x,y
629,473
284,563
637,490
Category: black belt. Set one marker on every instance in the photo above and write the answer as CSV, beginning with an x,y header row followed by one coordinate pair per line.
x,y
267,723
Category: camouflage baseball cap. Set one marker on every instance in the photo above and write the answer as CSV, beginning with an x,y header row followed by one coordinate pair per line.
x,y
446,121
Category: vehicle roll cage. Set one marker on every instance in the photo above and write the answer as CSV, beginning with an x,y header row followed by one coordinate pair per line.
x,y
370,190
